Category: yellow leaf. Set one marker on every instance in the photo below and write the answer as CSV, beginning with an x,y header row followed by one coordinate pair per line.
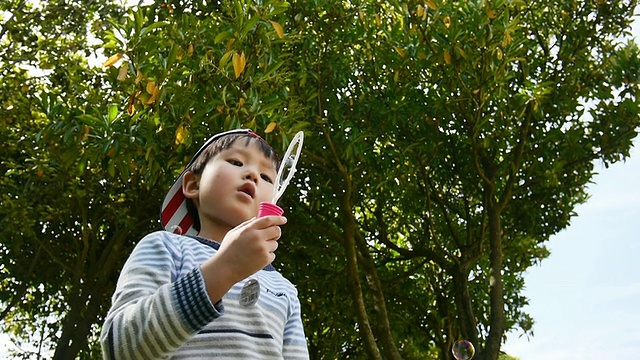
x,y
138,77
151,99
151,85
220,108
461,52
230,43
239,61
432,5
122,72
190,51
400,51
491,14
152,89
476,91
420,11
85,136
113,59
499,54
130,107
241,102
447,57
507,39
270,127
181,134
378,21
447,22
278,28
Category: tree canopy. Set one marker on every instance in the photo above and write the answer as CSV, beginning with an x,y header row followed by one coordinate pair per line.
x,y
446,142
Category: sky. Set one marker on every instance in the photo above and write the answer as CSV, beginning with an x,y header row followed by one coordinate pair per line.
x,y
585,297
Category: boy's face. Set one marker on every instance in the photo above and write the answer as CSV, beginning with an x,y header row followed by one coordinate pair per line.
x,y
233,184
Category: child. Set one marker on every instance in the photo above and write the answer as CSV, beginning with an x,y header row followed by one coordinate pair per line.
x,y
207,290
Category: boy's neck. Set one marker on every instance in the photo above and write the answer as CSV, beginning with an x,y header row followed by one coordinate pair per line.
x,y
214,232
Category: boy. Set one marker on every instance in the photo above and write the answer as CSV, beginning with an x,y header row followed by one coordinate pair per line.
x,y
207,290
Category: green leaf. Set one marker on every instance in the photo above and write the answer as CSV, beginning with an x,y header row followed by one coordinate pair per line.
x,y
223,36
148,29
249,25
113,113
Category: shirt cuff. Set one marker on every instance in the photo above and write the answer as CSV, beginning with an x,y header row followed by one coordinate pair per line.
x,y
192,301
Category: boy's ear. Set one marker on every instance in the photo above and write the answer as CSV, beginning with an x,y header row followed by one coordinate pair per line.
x,y
190,185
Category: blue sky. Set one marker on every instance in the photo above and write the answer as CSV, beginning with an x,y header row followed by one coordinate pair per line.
x,y
585,298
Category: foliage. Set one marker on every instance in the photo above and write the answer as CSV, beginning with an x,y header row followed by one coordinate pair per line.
x,y
446,142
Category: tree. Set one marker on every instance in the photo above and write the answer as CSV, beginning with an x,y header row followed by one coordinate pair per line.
x,y
446,142
471,115
63,201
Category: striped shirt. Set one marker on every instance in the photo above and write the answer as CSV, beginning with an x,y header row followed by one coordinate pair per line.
x,y
161,309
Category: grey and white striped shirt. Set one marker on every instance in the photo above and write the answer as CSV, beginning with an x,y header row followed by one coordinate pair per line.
x,y
161,309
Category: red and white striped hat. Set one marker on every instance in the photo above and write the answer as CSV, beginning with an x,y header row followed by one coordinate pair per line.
x,y
175,216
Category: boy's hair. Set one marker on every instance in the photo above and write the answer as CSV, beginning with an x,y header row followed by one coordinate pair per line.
x,y
179,214
215,147
198,164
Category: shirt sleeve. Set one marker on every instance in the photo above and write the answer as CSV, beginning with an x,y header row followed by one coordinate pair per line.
x,y
153,312
294,341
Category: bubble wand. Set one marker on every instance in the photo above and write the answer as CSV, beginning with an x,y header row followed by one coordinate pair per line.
x,y
284,176
251,289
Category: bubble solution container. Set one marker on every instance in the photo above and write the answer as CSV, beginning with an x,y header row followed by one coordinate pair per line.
x,y
267,209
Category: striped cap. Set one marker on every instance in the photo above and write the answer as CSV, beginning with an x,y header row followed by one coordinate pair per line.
x,y
175,216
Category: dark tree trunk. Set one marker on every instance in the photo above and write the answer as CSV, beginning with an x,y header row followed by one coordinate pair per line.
x,y
496,291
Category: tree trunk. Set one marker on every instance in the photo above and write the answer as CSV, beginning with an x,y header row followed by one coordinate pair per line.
x,y
464,306
84,308
356,292
496,291
353,278
77,325
384,333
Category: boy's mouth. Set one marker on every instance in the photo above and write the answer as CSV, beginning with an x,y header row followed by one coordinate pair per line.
x,y
249,189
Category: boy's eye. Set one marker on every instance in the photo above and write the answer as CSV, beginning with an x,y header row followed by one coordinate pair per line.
x,y
266,178
235,162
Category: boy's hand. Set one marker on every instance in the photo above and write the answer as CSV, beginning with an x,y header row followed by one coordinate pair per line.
x,y
250,246
245,249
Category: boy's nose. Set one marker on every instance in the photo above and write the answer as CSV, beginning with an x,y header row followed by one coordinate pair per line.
x,y
252,175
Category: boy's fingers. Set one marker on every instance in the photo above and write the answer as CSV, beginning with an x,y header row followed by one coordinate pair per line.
x,y
271,220
274,233
274,245
245,223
